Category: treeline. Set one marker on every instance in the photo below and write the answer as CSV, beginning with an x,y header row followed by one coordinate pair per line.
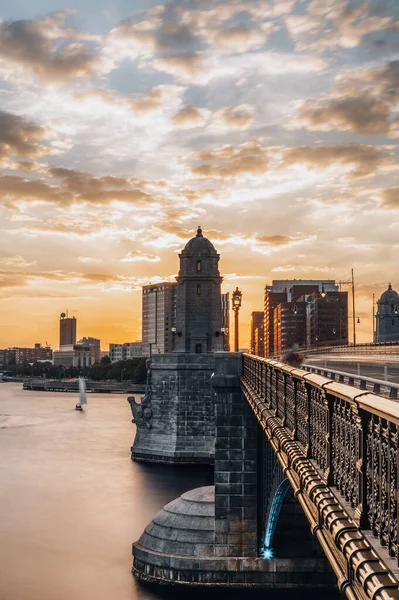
x,y
125,370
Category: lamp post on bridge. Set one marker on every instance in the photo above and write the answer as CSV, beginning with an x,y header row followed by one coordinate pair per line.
x,y
351,282
236,302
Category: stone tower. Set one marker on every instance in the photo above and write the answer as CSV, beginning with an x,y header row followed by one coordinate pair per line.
x,y
175,420
387,316
198,298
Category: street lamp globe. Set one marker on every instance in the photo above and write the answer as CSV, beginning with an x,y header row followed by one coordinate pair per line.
x,y
236,299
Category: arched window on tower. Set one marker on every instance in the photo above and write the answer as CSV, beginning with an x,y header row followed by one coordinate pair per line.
x,y
198,290
198,266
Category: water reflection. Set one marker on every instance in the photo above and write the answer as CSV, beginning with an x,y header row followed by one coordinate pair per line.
x,y
72,502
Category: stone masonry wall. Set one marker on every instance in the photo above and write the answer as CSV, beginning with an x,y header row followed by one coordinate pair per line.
x,y
236,472
182,403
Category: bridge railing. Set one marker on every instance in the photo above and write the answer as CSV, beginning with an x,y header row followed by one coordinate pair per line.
x,y
374,348
377,386
351,435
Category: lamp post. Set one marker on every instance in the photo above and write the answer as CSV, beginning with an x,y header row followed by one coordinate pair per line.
x,y
351,282
236,302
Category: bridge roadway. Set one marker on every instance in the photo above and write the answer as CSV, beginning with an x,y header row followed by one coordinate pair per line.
x,y
338,448
385,367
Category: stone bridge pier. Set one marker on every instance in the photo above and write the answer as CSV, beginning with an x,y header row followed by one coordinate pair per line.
x,y
247,530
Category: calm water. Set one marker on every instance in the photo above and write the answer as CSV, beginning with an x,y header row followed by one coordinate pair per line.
x,y
72,502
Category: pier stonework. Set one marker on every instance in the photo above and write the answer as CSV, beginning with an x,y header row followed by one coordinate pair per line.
x,y
210,535
180,406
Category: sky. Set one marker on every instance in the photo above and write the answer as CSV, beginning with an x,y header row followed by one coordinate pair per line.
x,y
273,124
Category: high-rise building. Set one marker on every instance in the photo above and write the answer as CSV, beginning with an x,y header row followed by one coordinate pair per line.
x,y
67,330
305,312
327,319
289,326
158,318
256,342
198,298
387,316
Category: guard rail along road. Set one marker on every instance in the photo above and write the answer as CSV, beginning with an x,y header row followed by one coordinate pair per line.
x,y
338,447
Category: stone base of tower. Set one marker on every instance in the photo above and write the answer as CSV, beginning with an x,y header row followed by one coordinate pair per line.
x,y
176,421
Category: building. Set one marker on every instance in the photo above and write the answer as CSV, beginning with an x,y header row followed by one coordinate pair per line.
x,y
198,298
20,356
387,317
304,312
289,326
272,299
125,351
327,319
77,355
225,301
256,342
158,318
67,330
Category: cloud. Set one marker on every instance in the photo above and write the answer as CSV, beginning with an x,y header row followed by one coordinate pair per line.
x,y
301,268
20,137
328,24
239,116
29,45
89,259
363,101
182,66
156,98
390,198
137,255
247,159
362,115
63,280
16,261
189,116
359,160
240,37
74,187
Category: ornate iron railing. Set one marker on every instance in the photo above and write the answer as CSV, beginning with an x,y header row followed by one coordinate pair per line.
x,y
350,435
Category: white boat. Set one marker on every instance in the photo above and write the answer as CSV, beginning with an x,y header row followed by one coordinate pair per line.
x,y
82,394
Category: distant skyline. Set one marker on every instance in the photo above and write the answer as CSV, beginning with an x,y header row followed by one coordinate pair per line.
x,y
273,124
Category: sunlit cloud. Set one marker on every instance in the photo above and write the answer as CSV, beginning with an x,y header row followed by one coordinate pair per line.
x,y
137,255
273,124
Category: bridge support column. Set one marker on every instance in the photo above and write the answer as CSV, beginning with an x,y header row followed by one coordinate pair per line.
x,y
236,453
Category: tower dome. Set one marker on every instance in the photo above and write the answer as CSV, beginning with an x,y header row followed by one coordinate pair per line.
x,y
199,245
389,295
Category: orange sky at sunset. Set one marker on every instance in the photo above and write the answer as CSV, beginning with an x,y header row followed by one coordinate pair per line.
x,y
273,124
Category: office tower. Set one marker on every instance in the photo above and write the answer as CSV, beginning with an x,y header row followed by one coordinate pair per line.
x,y
304,312
158,318
327,319
67,330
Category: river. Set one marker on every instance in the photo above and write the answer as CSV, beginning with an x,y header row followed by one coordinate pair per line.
x,y
72,502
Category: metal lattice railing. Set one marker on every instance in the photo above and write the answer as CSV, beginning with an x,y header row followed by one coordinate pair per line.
x,y
351,435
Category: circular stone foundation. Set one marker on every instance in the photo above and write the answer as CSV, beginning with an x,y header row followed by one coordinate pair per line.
x,y
178,547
